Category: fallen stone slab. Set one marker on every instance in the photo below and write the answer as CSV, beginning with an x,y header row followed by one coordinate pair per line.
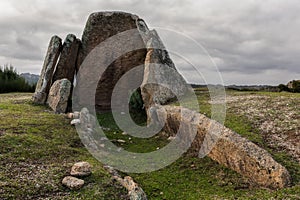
x,y
228,148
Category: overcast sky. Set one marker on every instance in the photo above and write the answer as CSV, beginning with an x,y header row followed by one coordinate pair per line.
x,y
251,41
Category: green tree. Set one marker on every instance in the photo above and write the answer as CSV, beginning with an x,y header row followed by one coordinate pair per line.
x,y
10,81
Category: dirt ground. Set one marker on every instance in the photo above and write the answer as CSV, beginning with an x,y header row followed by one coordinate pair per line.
x,y
276,116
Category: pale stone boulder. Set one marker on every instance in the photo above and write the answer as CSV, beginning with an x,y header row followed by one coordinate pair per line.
x,y
73,183
81,169
75,122
45,80
59,95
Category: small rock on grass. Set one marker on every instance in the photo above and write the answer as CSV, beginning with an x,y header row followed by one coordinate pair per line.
x,y
75,121
74,115
73,183
171,138
81,169
69,115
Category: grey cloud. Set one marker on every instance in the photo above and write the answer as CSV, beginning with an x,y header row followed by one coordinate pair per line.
x,y
247,39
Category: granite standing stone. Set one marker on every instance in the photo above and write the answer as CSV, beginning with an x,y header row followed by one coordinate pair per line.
x,y
161,83
44,83
67,61
100,27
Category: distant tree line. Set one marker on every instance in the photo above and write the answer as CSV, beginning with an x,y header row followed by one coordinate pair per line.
x,y
11,81
293,86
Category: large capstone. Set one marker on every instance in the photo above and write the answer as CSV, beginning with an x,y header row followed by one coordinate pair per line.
x,y
103,26
139,50
44,83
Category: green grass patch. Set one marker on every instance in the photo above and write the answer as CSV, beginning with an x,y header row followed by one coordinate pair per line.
x,y
37,149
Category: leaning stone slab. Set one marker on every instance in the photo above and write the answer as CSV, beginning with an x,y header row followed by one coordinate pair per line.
x,y
59,95
44,83
228,148
161,83
66,64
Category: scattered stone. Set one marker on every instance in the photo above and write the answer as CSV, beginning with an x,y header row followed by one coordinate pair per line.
x,y
73,183
59,95
76,115
75,122
134,191
69,115
81,169
171,138
121,141
124,133
44,83
106,129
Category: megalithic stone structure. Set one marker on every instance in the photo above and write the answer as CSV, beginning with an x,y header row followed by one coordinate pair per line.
x,y
157,83
104,25
44,83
